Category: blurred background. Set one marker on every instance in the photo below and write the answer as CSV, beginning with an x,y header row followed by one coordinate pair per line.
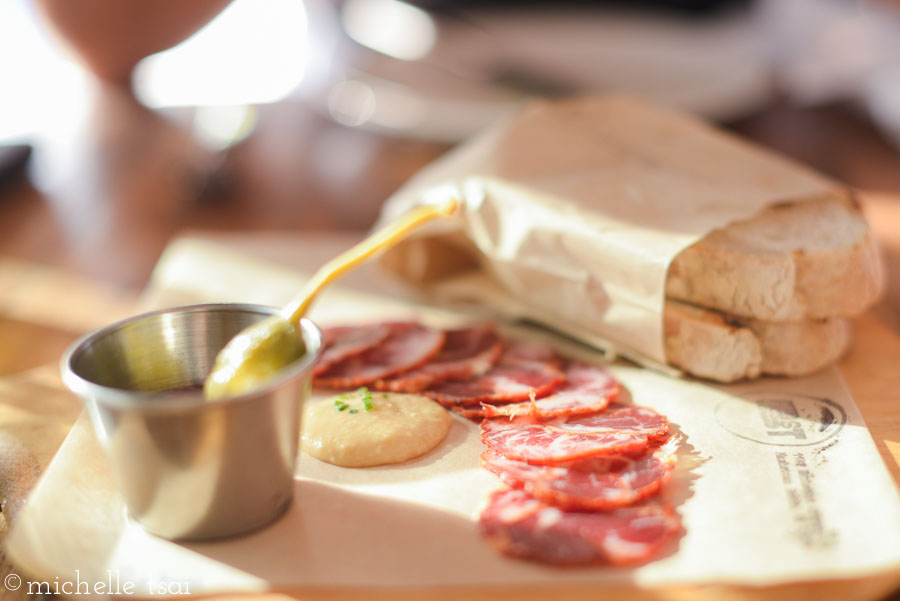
x,y
123,124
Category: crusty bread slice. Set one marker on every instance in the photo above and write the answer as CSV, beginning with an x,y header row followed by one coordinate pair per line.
x,y
804,260
712,345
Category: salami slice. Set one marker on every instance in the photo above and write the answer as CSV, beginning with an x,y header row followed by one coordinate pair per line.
x,y
531,352
408,346
522,526
505,382
342,342
640,421
515,377
540,444
467,352
598,483
587,389
474,413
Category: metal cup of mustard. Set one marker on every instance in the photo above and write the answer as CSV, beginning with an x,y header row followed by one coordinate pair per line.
x,y
188,468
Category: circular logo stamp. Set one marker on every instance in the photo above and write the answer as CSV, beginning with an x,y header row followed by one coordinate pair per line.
x,y
781,418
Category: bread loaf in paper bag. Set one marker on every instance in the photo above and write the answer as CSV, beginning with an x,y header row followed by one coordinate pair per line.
x,y
647,233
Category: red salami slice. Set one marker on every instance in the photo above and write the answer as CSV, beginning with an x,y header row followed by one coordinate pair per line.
x,y
342,342
513,378
598,483
522,526
503,383
475,413
640,421
540,444
467,352
587,389
531,352
408,346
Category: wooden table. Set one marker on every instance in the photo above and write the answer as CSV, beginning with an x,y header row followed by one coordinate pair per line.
x,y
77,257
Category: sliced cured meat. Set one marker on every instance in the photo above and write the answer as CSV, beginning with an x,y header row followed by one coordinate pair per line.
x,y
342,342
408,346
620,429
503,383
475,412
520,525
598,483
532,352
587,389
467,352
619,417
540,444
515,377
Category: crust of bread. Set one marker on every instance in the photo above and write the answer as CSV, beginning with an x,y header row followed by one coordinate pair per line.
x,y
794,348
805,260
724,348
703,344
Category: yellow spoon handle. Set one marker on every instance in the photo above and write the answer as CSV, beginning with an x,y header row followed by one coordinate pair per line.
x,y
380,240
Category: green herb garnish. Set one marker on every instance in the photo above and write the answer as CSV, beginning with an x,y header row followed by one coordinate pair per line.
x,y
366,396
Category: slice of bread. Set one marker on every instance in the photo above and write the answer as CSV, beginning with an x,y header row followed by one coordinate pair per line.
x,y
803,260
712,345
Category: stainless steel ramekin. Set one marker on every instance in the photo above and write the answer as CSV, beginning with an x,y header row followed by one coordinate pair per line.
x,y
188,468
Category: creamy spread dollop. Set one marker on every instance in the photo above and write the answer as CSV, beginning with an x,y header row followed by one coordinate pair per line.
x,y
366,428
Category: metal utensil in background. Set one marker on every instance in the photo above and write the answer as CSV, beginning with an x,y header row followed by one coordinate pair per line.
x,y
188,468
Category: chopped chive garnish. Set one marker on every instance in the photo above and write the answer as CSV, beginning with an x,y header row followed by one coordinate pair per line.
x,y
353,411
340,405
366,397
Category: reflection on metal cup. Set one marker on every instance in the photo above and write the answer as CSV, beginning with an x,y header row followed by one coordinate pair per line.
x,y
188,468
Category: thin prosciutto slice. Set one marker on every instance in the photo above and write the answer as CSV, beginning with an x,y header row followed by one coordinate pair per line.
x,y
587,389
408,346
342,342
598,483
519,525
467,352
625,430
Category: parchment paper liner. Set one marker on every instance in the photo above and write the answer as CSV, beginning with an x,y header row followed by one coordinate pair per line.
x,y
766,498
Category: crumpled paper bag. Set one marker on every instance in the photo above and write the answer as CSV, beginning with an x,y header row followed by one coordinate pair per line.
x,y
573,210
